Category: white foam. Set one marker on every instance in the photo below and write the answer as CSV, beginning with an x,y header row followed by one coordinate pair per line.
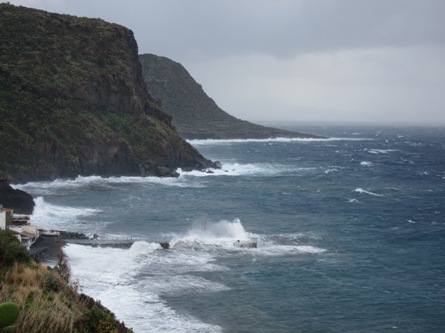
x,y
277,250
332,169
47,188
360,190
197,142
380,151
113,276
182,284
222,233
310,249
287,244
366,163
250,169
50,216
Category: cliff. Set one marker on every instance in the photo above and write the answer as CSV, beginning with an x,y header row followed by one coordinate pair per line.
x,y
196,115
20,201
73,102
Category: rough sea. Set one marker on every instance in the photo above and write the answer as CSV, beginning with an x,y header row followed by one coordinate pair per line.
x,y
350,233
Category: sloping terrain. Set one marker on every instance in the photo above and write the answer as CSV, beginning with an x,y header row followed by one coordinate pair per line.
x,y
195,114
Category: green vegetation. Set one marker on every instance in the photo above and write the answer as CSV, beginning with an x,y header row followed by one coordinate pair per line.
x,y
71,90
45,300
11,250
9,313
196,115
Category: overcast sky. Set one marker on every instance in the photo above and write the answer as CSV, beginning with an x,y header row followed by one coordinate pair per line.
x,y
295,60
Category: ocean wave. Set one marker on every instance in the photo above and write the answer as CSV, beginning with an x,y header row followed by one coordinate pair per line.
x,y
362,191
128,280
248,169
198,142
222,233
380,151
50,216
277,250
100,183
332,169
366,163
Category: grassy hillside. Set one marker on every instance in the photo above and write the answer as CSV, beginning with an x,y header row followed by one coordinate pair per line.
x,y
196,115
73,101
46,301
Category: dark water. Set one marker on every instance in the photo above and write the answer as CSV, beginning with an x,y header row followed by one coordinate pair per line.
x,y
350,232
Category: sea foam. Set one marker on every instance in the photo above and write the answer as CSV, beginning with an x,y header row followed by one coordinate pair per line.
x,y
128,280
50,216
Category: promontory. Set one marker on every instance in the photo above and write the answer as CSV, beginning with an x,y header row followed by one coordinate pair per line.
x,y
196,115
73,102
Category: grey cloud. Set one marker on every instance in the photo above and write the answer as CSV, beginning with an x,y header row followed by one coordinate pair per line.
x,y
289,28
282,28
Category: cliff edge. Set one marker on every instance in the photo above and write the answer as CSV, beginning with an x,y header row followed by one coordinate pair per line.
x,y
73,102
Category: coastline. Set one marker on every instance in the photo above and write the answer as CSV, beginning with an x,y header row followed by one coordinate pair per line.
x,y
48,250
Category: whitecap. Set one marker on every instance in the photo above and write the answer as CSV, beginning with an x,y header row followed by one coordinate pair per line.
x,y
360,190
198,142
366,163
310,249
277,250
380,151
98,182
248,169
332,169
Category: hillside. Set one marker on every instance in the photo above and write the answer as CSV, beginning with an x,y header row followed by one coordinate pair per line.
x,y
73,102
45,300
195,115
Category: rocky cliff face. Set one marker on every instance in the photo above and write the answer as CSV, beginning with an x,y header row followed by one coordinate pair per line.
x,y
195,114
73,102
20,201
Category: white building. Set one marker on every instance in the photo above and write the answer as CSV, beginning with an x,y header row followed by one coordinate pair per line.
x,y
20,226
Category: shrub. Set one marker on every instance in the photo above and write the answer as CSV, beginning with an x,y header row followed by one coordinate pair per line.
x,y
97,320
9,313
11,251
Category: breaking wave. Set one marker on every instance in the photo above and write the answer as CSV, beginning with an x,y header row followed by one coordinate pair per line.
x,y
362,191
56,217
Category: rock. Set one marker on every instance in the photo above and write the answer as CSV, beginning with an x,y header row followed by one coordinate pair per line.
x,y
19,200
167,172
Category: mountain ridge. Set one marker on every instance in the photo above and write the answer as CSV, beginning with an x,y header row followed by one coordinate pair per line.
x,y
196,115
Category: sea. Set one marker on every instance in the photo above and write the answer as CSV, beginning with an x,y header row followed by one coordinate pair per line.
x,y
350,234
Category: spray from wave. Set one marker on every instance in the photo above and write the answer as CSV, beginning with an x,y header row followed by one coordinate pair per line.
x,y
220,233
49,216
